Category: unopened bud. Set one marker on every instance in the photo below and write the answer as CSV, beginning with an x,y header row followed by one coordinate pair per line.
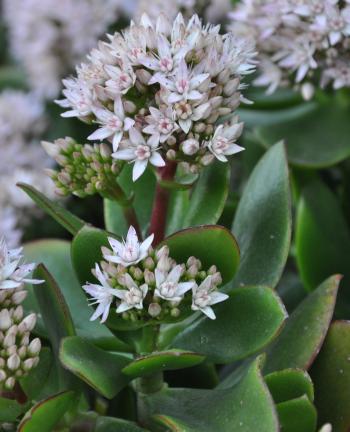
x,y
207,159
149,277
28,364
175,312
216,279
171,154
13,362
148,263
162,252
28,323
10,339
231,87
3,375
190,146
154,309
18,297
164,264
17,314
34,347
143,76
192,271
10,383
5,319
129,107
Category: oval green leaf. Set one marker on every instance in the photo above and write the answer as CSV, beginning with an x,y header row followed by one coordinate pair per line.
x,y
317,139
305,330
47,413
190,410
212,244
10,409
322,250
297,415
208,197
245,323
331,376
160,361
289,384
262,224
98,368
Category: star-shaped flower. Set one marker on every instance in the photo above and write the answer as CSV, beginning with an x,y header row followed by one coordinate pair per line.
x,y
133,296
204,296
168,286
130,251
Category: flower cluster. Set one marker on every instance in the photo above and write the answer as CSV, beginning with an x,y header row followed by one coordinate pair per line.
x,y
84,169
21,123
306,41
157,91
18,355
49,40
146,284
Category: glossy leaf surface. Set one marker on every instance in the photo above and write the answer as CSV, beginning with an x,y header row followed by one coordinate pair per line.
x,y
305,330
262,223
160,361
331,376
245,323
98,368
211,244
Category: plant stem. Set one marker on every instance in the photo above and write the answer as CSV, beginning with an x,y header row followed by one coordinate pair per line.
x,y
161,202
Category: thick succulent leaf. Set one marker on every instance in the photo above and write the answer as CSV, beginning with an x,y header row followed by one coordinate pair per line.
x,y
47,413
245,323
212,244
98,368
10,409
322,250
178,205
317,138
263,221
289,384
297,415
305,330
55,254
190,410
160,361
208,196
53,307
331,376
42,381
61,215
112,424
142,191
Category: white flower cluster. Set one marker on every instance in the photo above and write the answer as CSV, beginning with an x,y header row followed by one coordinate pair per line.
x,y
157,91
49,39
18,354
22,158
307,40
149,285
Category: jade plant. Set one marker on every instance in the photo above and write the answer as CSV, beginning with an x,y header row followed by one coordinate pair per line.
x,y
184,312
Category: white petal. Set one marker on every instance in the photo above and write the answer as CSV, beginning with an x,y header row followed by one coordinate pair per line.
x,y
128,123
125,154
208,311
218,297
100,134
139,169
160,277
116,140
123,307
233,149
145,245
185,125
183,287
117,246
135,136
157,160
175,274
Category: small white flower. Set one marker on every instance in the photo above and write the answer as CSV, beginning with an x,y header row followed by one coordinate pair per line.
x,y
12,272
161,125
130,251
140,152
183,85
168,286
113,124
133,296
102,295
222,143
203,297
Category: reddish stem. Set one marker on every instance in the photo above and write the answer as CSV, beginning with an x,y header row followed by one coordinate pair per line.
x,y
161,202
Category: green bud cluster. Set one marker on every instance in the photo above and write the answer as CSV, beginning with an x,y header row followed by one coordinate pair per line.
x,y
154,307
84,169
18,354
